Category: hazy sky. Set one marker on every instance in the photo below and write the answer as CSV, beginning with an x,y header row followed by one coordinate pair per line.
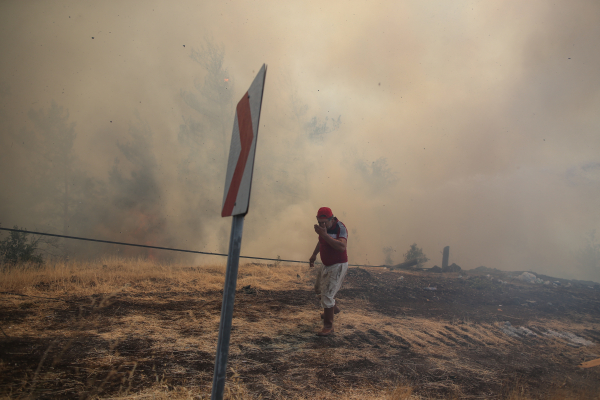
x,y
473,124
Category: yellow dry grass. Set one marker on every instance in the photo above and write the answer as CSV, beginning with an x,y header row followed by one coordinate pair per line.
x,y
110,277
113,274
238,391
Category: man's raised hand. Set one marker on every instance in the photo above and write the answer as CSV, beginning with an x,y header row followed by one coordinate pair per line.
x,y
321,231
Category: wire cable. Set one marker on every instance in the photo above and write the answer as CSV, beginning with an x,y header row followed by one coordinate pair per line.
x,y
157,247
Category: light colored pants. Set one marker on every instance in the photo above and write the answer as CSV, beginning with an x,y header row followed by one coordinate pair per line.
x,y
329,281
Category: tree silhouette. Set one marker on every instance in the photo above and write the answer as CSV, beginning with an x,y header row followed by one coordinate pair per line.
x,y
137,193
387,252
212,102
416,253
378,175
61,193
315,128
205,135
19,248
318,129
54,143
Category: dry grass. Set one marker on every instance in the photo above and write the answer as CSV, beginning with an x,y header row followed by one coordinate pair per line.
x,y
522,393
113,274
238,391
194,286
390,391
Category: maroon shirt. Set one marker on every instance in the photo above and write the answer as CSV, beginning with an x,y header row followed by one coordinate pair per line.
x,y
329,255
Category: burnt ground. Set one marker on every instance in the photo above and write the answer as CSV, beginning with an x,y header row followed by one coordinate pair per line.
x,y
473,336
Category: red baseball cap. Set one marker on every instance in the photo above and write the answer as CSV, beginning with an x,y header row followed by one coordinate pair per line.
x,y
324,212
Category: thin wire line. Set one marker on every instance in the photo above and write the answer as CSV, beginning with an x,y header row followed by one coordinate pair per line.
x,y
159,248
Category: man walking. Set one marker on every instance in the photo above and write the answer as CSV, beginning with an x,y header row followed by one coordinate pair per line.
x,y
333,238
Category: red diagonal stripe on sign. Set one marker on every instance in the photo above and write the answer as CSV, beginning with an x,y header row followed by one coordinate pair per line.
x,y
246,136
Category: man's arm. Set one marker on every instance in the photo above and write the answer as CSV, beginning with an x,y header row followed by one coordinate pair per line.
x,y
337,244
314,256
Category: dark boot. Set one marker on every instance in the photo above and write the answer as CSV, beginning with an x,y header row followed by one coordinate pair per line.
x,y
336,310
327,322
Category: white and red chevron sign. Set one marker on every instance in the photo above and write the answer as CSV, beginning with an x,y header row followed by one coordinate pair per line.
x,y
240,166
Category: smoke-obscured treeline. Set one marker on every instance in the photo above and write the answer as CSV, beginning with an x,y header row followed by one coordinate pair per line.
x,y
466,124
130,201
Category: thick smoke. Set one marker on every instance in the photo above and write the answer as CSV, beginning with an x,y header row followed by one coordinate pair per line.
x,y
465,124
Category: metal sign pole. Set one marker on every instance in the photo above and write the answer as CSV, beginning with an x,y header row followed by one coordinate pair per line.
x,y
235,245
236,200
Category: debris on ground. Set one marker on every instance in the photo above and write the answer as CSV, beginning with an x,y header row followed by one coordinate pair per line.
x,y
452,268
249,289
529,278
574,339
517,332
435,269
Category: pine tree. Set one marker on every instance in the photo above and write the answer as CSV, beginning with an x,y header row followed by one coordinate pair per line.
x,y
19,248
416,253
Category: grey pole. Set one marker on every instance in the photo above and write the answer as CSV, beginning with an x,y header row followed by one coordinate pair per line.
x,y
235,245
445,257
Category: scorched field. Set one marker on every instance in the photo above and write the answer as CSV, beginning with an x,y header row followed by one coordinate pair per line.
x,y
135,329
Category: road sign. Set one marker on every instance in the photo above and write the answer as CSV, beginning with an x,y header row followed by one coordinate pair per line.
x,y
238,183
240,165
